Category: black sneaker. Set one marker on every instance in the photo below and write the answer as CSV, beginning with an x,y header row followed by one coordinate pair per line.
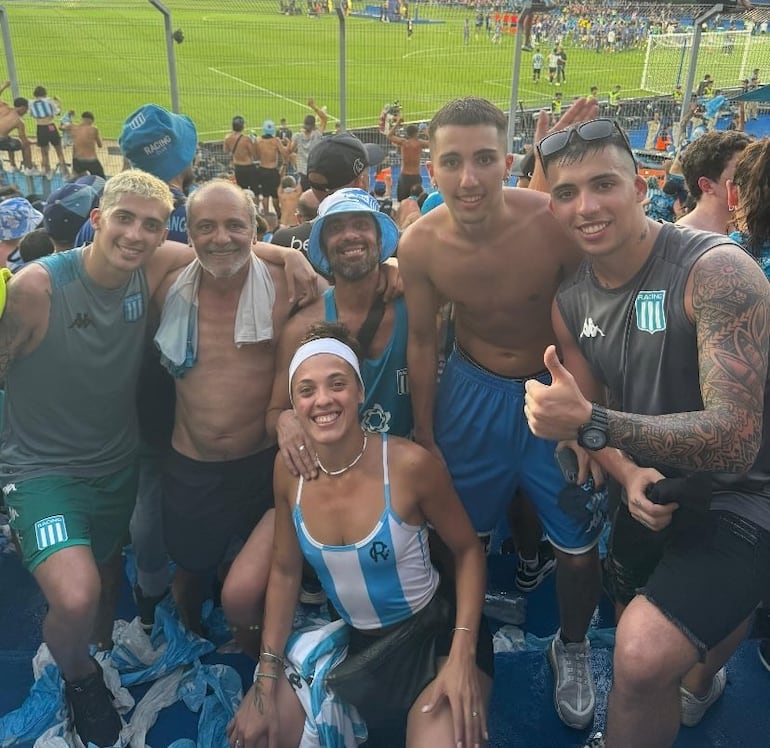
x,y
145,606
93,713
528,579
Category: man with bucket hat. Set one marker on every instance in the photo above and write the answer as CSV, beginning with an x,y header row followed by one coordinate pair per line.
x,y
349,241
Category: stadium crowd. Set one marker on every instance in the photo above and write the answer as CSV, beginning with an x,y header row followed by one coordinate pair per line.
x,y
350,413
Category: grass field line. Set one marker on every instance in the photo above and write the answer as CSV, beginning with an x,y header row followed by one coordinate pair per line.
x,y
268,91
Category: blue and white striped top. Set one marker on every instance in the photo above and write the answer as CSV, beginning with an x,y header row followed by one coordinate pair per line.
x,y
380,580
42,108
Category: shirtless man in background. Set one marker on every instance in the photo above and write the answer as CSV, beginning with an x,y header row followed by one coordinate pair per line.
x,y
241,149
85,141
10,120
269,150
411,152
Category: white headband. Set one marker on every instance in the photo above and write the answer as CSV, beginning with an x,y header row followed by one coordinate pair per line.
x,y
324,345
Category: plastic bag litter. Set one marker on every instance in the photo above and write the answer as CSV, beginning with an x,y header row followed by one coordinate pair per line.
x,y
215,691
176,645
162,693
508,608
512,639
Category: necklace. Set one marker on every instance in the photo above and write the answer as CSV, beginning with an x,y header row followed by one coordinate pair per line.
x,y
334,473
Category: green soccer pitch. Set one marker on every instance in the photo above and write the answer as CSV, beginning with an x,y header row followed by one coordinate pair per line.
x,y
244,57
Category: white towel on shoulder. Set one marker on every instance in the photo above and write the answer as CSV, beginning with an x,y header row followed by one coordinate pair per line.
x,y
177,335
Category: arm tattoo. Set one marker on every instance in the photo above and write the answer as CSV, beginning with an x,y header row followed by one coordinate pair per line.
x,y
731,304
259,701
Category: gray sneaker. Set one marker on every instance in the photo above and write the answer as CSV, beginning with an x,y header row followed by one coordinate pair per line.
x,y
694,707
574,695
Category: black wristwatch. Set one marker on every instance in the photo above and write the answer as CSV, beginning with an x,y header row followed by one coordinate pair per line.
x,y
593,435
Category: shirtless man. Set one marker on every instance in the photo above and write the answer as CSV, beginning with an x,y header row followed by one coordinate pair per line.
x,y
269,150
411,152
238,144
85,141
499,256
10,120
44,110
217,483
289,194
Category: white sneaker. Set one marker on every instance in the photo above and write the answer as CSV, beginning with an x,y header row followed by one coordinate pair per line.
x,y
595,741
574,694
694,707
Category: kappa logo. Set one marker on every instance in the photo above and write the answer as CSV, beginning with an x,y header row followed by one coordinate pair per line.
x,y
81,321
650,307
591,329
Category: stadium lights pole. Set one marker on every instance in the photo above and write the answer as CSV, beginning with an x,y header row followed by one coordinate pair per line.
x,y
513,103
170,54
696,37
343,69
9,59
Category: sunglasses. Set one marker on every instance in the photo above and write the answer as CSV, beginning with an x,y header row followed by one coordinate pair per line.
x,y
320,187
591,131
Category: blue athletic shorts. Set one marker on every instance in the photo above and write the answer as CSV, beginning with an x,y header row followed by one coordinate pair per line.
x,y
481,430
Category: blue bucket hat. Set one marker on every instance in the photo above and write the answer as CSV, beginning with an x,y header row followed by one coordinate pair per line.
x,y
158,141
350,200
17,217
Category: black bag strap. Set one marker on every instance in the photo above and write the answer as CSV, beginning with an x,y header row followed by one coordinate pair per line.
x,y
371,324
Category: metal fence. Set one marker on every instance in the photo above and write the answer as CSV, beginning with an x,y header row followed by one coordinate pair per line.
x,y
265,58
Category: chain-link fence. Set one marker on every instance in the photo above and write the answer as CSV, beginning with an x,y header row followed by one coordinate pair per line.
x,y
263,59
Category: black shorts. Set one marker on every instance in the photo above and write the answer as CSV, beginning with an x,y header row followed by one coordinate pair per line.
x,y
269,179
92,166
208,505
10,144
48,135
706,572
405,184
395,734
247,178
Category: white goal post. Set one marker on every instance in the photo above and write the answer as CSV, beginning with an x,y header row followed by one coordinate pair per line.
x,y
728,56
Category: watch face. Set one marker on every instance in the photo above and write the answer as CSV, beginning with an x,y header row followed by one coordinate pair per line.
x,y
593,438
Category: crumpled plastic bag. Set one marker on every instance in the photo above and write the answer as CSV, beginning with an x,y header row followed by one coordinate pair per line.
x,y
170,646
215,691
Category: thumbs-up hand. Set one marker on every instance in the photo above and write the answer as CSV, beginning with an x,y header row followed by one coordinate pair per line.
x,y
554,411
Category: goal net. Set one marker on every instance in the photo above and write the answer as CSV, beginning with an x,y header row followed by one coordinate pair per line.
x,y
728,56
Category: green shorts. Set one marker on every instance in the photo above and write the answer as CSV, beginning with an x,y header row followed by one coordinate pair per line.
x,y
55,512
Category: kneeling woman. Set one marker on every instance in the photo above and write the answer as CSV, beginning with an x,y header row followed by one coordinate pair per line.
x,y
363,526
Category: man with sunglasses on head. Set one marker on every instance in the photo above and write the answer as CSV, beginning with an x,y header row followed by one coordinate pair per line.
x,y
337,161
672,324
499,256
